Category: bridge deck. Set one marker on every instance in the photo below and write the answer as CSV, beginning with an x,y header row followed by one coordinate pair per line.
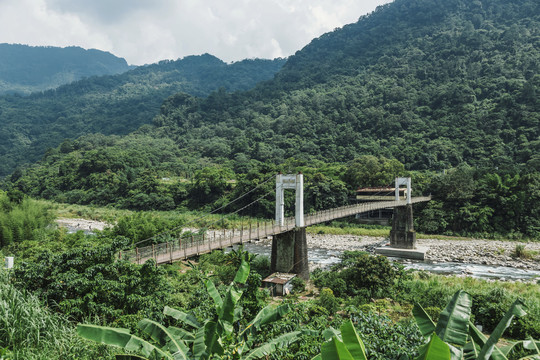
x,y
200,244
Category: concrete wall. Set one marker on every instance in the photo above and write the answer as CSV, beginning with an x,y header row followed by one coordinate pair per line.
x,y
289,253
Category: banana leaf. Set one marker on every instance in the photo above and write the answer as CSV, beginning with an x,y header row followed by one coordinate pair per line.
x,y
242,273
121,338
532,345
181,334
424,322
182,316
212,335
352,341
527,344
435,349
199,347
214,294
335,350
271,346
268,314
453,324
229,304
480,340
471,350
330,332
517,309
164,338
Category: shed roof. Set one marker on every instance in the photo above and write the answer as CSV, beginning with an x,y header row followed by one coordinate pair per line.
x,y
279,278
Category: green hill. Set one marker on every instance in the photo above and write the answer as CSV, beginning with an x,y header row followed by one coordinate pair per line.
x,y
430,84
26,69
114,104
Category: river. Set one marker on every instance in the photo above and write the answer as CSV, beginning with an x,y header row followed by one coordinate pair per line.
x,y
321,257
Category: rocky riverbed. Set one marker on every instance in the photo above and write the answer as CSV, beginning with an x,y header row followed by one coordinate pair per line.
x,y
81,224
474,251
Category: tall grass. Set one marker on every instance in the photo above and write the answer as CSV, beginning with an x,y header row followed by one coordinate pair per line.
x,y
19,222
357,231
29,330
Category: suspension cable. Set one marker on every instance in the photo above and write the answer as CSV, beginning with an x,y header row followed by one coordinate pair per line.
x,y
212,212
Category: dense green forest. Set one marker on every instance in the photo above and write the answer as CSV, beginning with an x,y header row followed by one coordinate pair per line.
x,y
115,104
430,83
443,91
444,87
26,69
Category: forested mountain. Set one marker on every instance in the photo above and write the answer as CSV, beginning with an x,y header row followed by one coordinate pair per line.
x,y
114,104
429,85
25,69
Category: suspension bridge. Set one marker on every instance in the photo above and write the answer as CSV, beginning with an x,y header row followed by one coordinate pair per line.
x,y
184,247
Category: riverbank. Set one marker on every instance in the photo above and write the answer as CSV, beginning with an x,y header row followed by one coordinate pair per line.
x,y
474,251
81,224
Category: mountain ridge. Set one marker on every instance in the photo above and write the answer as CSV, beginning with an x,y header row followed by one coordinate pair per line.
x,y
25,69
113,104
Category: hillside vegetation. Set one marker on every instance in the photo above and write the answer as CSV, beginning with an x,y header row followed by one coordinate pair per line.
x,y
430,83
443,91
116,104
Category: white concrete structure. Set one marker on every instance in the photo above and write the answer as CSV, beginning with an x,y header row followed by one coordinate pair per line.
x,y
404,181
295,182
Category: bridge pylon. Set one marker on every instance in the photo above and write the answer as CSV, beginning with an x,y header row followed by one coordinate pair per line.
x,y
289,249
402,234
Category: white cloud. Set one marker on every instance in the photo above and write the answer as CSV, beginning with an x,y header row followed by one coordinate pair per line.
x,y
145,31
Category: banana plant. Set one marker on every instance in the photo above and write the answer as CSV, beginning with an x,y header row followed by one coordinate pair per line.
x,y
455,337
215,337
342,345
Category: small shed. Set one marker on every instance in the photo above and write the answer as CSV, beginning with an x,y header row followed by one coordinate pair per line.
x,y
279,283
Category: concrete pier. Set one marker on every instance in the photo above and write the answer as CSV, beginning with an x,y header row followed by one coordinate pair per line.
x,y
403,236
289,253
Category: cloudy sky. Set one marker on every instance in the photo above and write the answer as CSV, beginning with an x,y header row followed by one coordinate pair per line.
x,y
146,31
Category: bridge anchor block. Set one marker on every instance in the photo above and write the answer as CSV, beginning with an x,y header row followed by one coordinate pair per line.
x,y
289,253
402,234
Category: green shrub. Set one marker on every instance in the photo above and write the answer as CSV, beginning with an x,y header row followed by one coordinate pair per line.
x,y
383,338
88,282
521,253
328,301
376,274
261,264
298,284
488,308
363,276
331,280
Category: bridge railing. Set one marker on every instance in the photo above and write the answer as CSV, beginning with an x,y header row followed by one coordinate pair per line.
x,y
185,247
195,244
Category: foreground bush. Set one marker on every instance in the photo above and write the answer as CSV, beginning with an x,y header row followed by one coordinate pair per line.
x,y
361,274
219,336
87,282
28,330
